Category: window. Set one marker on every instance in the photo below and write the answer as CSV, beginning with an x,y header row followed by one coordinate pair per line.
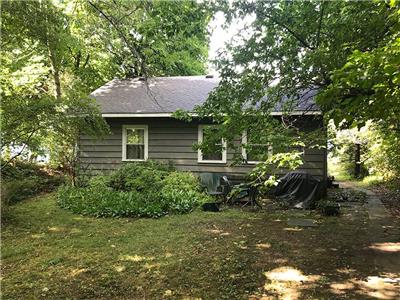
x,y
211,157
252,151
134,142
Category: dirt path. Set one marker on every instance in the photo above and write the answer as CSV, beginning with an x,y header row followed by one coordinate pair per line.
x,y
384,249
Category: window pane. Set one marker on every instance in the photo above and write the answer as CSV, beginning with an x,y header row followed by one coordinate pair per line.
x,y
212,155
135,151
135,136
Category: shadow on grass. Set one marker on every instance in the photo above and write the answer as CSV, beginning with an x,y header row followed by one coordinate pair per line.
x,y
51,253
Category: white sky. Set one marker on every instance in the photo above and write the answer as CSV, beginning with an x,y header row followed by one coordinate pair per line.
x,y
221,35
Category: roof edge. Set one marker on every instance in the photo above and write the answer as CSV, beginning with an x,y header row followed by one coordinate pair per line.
x,y
169,115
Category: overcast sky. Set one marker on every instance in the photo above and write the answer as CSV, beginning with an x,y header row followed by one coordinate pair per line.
x,y
220,36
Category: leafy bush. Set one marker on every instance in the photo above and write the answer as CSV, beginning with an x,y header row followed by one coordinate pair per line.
x,y
181,192
21,169
23,180
99,182
137,189
104,202
139,176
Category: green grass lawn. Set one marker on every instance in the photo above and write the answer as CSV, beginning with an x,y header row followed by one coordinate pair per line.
x,y
51,253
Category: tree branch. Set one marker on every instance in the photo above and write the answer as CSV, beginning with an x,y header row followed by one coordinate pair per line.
x,y
21,151
321,15
86,61
297,36
135,52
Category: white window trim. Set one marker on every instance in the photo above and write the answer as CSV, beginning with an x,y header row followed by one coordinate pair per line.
x,y
244,150
169,115
200,154
146,141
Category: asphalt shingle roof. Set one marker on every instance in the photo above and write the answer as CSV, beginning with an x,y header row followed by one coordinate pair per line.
x,y
165,95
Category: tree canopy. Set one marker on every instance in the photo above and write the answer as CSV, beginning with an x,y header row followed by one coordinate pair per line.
x,y
344,52
53,54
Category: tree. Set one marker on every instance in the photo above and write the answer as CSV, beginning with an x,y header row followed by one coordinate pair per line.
x,y
366,86
53,54
154,38
293,47
40,98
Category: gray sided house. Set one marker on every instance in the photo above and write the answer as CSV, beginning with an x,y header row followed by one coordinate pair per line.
x,y
142,126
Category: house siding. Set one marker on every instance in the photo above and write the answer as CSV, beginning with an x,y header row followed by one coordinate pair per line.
x,y
171,141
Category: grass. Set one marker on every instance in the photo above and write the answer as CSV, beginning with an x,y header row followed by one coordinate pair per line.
x,y
336,169
51,253
369,181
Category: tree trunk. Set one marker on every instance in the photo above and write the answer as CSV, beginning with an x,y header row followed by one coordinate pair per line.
x,y
56,74
53,58
357,161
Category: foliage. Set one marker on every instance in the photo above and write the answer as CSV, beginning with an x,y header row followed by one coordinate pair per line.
x,y
153,38
181,191
320,49
22,180
43,103
146,189
104,202
264,174
329,207
53,54
293,47
366,87
139,176
343,145
379,150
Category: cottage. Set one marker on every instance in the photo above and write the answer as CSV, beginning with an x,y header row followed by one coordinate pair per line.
x,y
142,126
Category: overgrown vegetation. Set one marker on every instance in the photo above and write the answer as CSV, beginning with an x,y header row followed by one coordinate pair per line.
x,y
54,53
22,179
145,189
365,152
344,54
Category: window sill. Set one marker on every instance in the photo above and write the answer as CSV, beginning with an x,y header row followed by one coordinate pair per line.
x,y
211,162
134,160
251,162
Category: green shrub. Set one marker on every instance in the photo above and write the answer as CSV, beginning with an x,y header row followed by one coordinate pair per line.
x,y
105,202
23,179
16,190
182,180
328,207
136,190
99,182
139,176
21,169
181,192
